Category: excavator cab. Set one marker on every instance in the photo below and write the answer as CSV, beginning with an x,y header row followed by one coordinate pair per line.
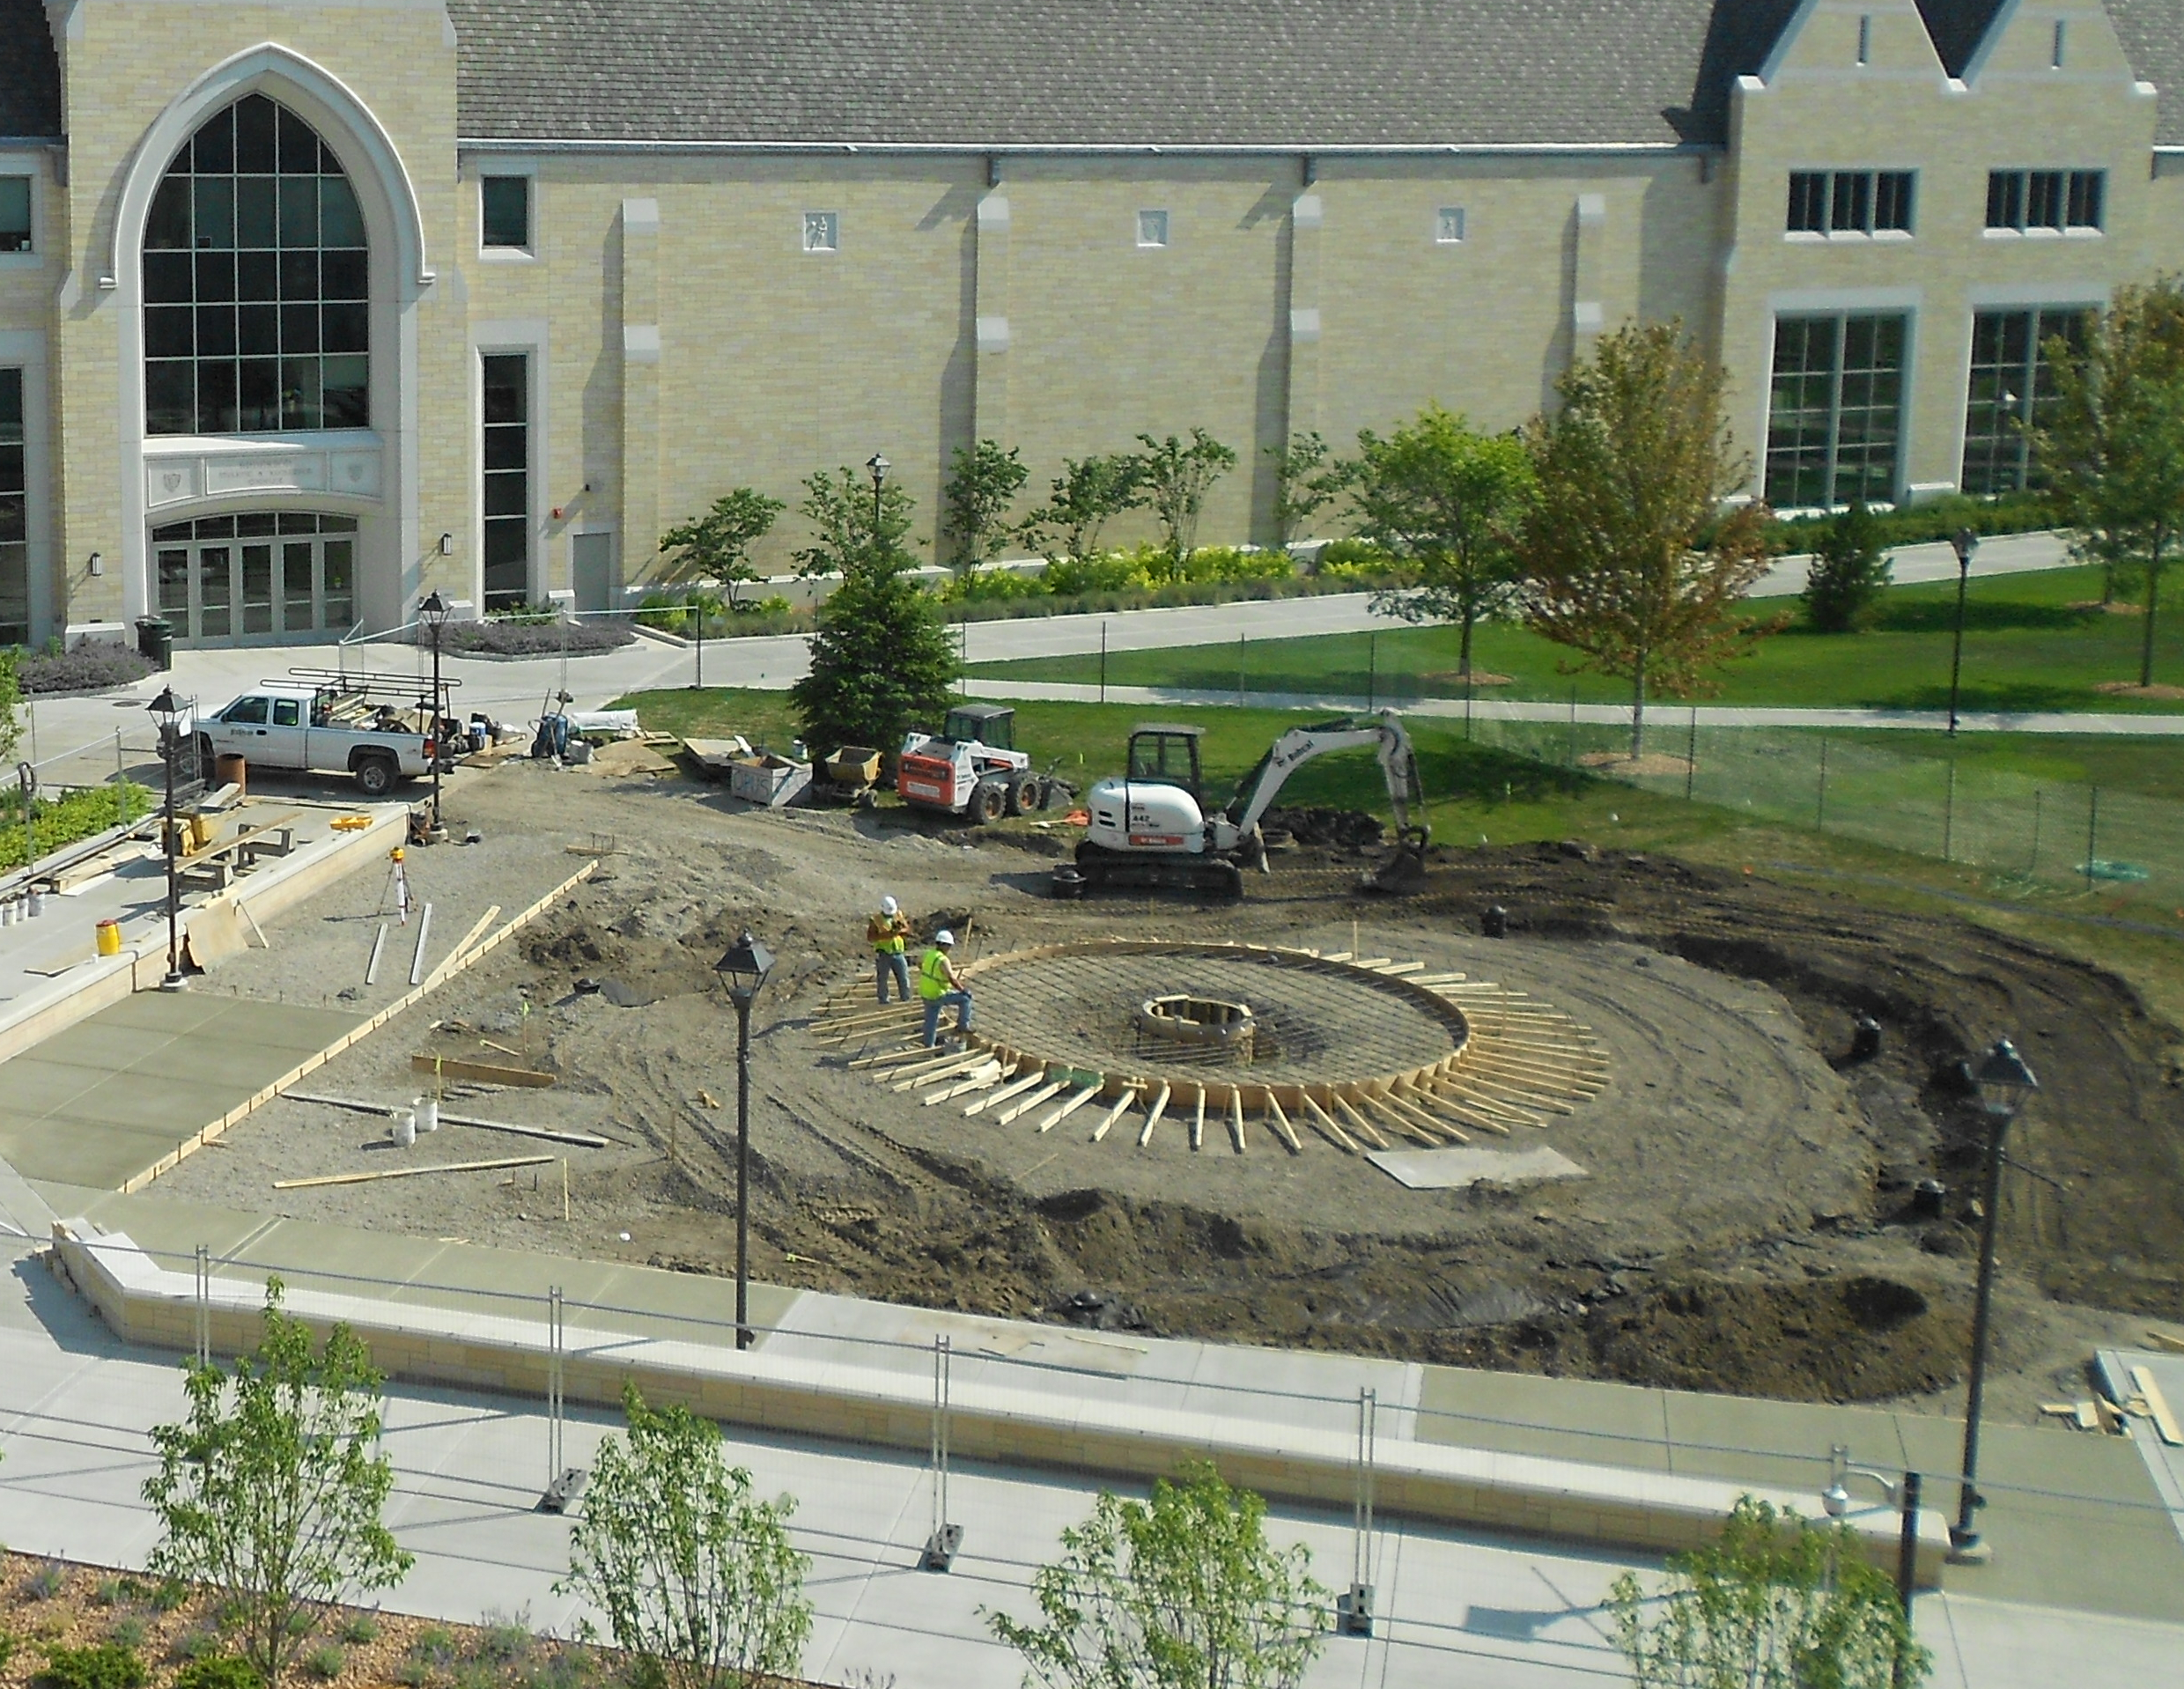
x,y
1169,754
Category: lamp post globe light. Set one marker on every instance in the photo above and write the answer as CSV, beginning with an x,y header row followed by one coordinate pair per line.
x,y
1965,543
167,711
878,465
2004,1083
743,969
434,612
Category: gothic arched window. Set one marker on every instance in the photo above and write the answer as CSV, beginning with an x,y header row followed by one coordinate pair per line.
x,y
256,307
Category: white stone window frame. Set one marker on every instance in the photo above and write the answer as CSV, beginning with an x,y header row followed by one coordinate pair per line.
x,y
495,165
1910,302
1155,230
25,350
1451,225
821,233
1875,236
527,336
31,167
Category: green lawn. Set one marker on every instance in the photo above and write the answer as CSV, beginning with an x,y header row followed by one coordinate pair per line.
x,y
2024,648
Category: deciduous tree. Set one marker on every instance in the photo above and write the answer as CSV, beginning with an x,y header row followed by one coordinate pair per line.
x,y
695,1574
716,547
10,700
983,482
1848,572
272,1491
880,656
1306,482
1632,561
1176,475
1184,1592
1774,1603
1089,493
1448,501
2112,445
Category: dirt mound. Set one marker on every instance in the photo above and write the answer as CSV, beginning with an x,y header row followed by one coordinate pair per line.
x,y
2133,689
1338,828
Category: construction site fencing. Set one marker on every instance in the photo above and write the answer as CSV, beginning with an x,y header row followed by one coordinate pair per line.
x,y
2049,835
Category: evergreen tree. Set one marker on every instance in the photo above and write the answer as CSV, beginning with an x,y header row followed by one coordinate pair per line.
x,y
1848,573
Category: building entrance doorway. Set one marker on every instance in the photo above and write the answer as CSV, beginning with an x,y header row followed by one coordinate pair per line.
x,y
257,579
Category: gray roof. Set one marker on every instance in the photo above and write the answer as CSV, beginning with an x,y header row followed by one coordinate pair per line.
x,y
1324,73
2152,34
30,72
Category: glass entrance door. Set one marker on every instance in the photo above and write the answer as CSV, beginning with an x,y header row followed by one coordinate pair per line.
x,y
256,579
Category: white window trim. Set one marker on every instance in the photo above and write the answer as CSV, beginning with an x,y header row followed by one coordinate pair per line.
x,y
25,350
1167,228
28,165
526,168
833,228
529,336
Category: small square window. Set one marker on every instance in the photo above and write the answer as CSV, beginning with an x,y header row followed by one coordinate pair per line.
x,y
1152,228
1448,226
823,231
504,210
14,213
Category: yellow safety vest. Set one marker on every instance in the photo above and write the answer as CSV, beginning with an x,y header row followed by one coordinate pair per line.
x,y
886,936
933,974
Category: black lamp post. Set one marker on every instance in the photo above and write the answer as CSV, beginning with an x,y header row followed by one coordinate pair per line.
x,y
166,710
434,612
743,969
1965,542
2004,1082
878,465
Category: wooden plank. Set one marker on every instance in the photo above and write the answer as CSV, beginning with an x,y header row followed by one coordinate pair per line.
x,y
471,937
413,1172
1121,1108
1051,1088
910,1079
978,1079
1197,1123
2163,1340
1398,969
916,1053
1153,1115
1280,1122
1006,1092
1235,1116
481,1073
1433,1130
1069,1108
1401,1122
2158,1407
1326,1124
1364,1128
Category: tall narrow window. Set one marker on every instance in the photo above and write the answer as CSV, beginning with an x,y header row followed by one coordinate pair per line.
x,y
2012,386
15,231
14,515
504,212
1835,410
257,317
507,383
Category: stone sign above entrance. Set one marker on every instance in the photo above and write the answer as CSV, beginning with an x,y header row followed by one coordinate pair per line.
x,y
183,478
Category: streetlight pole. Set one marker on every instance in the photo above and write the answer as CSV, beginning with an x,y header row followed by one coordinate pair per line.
x,y
433,613
2004,1082
167,711
878,465
743,969
1965,542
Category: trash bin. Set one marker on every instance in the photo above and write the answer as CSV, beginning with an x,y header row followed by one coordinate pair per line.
x,y
155,640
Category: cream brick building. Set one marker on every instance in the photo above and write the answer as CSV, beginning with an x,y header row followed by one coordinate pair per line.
x,y
308,308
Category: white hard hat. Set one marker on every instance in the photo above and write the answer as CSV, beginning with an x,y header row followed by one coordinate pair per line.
x,y
888,905
944,938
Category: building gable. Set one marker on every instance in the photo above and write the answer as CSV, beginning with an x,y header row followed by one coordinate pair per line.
x,y
1832,38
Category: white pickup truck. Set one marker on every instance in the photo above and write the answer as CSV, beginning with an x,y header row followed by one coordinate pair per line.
x,y
294,725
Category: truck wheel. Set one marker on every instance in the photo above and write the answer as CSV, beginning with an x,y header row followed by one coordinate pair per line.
x,y
374,775
1021,794
989,800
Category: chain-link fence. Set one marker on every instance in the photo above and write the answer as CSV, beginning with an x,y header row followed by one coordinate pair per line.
x,y
2011,824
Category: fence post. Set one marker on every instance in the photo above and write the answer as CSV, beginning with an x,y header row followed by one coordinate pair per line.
x,y
1372,671
1354,1610
940,1546
1949,816
1240,665
1691,758
1819,816
1572,757
2092,831
205,1306
2033,866
1102,660
697,624
120,783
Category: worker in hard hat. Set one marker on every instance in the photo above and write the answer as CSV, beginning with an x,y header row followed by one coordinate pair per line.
x,y
889,934
942,987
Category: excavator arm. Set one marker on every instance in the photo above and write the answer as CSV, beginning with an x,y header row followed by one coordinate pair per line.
x,y
1300,745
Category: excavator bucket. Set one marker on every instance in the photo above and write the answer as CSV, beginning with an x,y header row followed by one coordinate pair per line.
x,y
1402,872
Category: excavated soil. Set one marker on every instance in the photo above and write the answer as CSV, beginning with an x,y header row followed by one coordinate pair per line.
x,y
1750,1218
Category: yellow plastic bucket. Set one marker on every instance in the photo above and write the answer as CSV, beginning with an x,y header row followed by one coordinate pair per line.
x,y
109,938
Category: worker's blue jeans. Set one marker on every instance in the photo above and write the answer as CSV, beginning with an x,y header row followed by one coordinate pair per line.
x,y
959,1000
891,964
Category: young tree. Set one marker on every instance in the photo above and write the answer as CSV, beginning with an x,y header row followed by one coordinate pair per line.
x,y
2113,444
1774,1603
1631,562
1848,572
1448,500
1176,475
1183,1593
1305,482
983,482
1088,494
10,700
716,547
695,1575
272,1490
880,656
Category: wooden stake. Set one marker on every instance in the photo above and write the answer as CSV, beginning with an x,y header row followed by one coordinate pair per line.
x,y
1364,1127
1152,1118
892,1059
1235,1116
950,1069
1197,1124
413,1172
471,937
565,1189
1326,1123
1121,1108
1281,1124
1051,1088
981,1079
1006,1092
1069,1108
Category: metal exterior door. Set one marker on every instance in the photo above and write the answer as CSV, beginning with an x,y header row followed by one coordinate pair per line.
x,y
592,561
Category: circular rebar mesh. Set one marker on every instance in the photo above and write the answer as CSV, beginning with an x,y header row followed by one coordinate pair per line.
x,y
1311,1024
